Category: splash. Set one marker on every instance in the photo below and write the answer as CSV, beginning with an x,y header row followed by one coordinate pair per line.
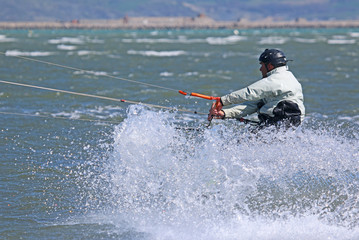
x,y
227,182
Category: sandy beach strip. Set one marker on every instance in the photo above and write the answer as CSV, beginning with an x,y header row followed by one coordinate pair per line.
x,y
178,23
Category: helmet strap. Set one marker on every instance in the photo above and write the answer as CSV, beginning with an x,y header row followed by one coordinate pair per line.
x,y
266,65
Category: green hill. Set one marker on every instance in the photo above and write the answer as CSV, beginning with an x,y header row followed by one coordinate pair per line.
x,y
65,10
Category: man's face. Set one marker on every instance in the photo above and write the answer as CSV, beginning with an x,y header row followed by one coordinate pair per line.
x,y
263,69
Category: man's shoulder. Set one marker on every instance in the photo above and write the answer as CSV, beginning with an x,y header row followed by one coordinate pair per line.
x,y
283,74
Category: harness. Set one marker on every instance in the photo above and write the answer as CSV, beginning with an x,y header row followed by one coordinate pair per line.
x,y
285,111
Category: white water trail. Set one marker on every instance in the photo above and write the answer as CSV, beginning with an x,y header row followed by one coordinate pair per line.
x,y
228,183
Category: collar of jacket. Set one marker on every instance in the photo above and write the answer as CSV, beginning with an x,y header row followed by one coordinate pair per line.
x,y
278,70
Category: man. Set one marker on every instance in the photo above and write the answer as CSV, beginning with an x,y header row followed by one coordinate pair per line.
x,y
276,98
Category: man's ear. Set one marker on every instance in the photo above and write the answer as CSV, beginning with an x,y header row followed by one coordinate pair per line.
x,y
270,67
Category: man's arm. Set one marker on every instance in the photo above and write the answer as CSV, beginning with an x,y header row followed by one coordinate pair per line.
x,y
241,110
238,111
261,89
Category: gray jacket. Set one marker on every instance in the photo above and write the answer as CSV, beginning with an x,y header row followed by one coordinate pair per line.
x,y
263,96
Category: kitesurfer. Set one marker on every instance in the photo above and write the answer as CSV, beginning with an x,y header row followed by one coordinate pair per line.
x,y
276,98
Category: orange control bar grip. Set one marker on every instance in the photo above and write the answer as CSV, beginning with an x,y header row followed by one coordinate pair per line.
x,y
182,92
205,96
200,96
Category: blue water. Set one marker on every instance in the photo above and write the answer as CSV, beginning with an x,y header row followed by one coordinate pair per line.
x,y
75,167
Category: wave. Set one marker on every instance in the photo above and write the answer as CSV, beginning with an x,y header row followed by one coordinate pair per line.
x,y
354,34
157,53
166,74
65,40
305,40
225,40
32,54
182,40
72,115
96,73
106,113
5,39
66,47
341,41
354,119
86,52
273,40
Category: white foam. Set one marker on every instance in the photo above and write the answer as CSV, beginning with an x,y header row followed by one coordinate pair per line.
x,y
5,39
305,40
157,53
225,40
341,41
31,54
273,40
96,73
154,33
66,47
98,41
86,52
166,74
339,36
173,184
182,40
65,40
354,34
98,113
299,228
354,119
188,74
72,115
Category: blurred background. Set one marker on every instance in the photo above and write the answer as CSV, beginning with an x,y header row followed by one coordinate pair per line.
x,y
230,10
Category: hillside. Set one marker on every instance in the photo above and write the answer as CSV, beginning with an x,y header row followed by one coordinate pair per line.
x,y
64,10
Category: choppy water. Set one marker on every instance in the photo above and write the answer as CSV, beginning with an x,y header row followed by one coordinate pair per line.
x,y
144,177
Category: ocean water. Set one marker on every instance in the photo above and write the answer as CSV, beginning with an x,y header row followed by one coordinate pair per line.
x,y
78,167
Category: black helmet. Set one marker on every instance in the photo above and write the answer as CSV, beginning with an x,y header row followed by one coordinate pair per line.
x,y
273,56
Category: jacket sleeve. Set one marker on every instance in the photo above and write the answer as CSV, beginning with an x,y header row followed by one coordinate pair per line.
x,y
254,92
241,110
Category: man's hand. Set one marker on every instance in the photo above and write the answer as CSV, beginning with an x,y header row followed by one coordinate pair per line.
x,y
216,111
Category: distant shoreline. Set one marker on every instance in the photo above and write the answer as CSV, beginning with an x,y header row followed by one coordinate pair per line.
x,y
200,22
